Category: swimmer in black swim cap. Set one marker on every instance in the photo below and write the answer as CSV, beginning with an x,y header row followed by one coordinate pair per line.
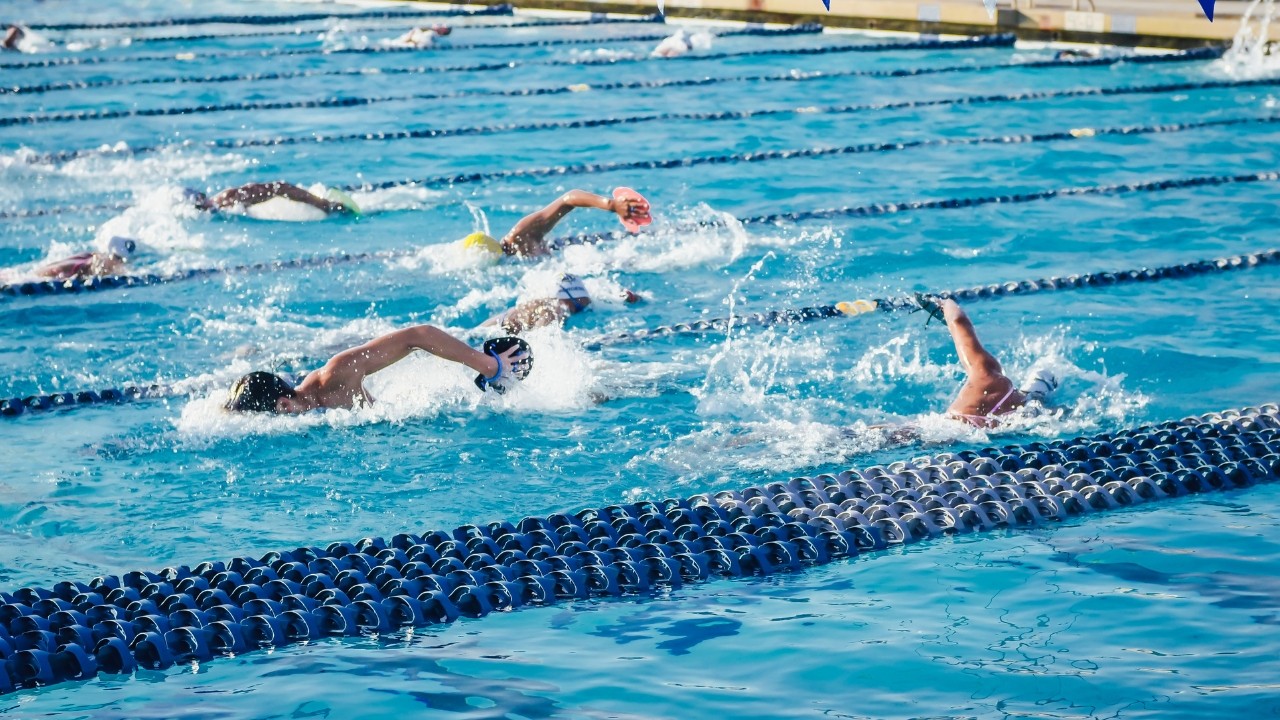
x,y
340,383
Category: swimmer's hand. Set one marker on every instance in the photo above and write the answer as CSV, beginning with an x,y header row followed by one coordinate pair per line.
x,y
512,363
930,304
631,209
506,368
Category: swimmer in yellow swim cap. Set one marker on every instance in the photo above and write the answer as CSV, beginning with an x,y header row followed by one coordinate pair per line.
x,y
484,244
529,236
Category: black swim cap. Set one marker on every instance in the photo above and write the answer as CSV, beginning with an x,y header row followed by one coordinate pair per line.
x,y
518,370
258,392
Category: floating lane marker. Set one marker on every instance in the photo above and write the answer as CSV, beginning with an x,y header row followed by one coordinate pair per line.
x,y
155,620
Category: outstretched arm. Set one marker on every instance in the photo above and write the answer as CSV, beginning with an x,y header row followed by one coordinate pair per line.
x,y
529,235
254,193
530,315
382,352
975,358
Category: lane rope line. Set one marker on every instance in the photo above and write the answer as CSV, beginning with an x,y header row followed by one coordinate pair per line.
x,y
116,624
14,407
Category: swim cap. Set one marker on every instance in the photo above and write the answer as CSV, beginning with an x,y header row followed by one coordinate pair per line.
x,y
482,242
1040,386
258,392
337,195
506,376
122,247
571,288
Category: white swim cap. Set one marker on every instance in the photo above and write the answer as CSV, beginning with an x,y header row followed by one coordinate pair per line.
x,y
1040,386
571,288
122,247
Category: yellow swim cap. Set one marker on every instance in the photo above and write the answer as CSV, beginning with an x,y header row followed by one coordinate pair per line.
x,y
480,241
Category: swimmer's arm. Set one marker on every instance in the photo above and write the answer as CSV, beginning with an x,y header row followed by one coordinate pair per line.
x,y
76,267
349,367
898,434
526,238
254,193
975,358
533,314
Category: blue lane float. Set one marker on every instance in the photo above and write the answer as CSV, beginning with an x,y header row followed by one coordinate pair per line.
x,y
155,620
504,9
434,133
231,54
845,309
806,29
14,407
86,115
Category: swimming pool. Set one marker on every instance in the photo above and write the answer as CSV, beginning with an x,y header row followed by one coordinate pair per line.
x,y
1160,610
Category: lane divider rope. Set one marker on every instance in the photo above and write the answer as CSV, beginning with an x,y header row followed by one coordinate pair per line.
x,y
435,133
854,308
430,70
115,624
808,153
271,19
595,19
522,92
14,407
110,282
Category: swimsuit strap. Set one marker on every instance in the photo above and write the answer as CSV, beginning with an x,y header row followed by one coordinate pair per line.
x,y
997,406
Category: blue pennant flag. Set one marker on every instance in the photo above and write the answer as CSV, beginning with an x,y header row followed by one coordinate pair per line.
x,y
1208,8
827,5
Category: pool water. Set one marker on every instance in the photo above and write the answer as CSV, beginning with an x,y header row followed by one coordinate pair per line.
x,y
1160,611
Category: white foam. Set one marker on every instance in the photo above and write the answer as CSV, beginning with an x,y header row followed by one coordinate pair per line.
x,y
420,386
1250,53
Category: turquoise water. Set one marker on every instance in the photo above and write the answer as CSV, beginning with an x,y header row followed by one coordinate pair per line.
x,y
1160,611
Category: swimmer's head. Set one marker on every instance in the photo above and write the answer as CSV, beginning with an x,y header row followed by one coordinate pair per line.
x,y
573,291
1040,387
441,30
122,248
260,392
197,199
482,243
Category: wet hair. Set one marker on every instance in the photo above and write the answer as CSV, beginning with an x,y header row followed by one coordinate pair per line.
x,y
258,392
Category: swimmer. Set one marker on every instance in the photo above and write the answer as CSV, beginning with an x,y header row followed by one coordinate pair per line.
x,y
681,43
571,298
421,37
528,237
1077,54
13,37
92,264
340,383
246,197
987,394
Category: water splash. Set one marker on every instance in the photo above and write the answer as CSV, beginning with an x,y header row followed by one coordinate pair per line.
x,y
1250,54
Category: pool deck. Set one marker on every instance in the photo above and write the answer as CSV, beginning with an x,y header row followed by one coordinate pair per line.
x,y
1151,23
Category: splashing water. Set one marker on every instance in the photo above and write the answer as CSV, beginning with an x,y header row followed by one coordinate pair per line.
x,y
1250,54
